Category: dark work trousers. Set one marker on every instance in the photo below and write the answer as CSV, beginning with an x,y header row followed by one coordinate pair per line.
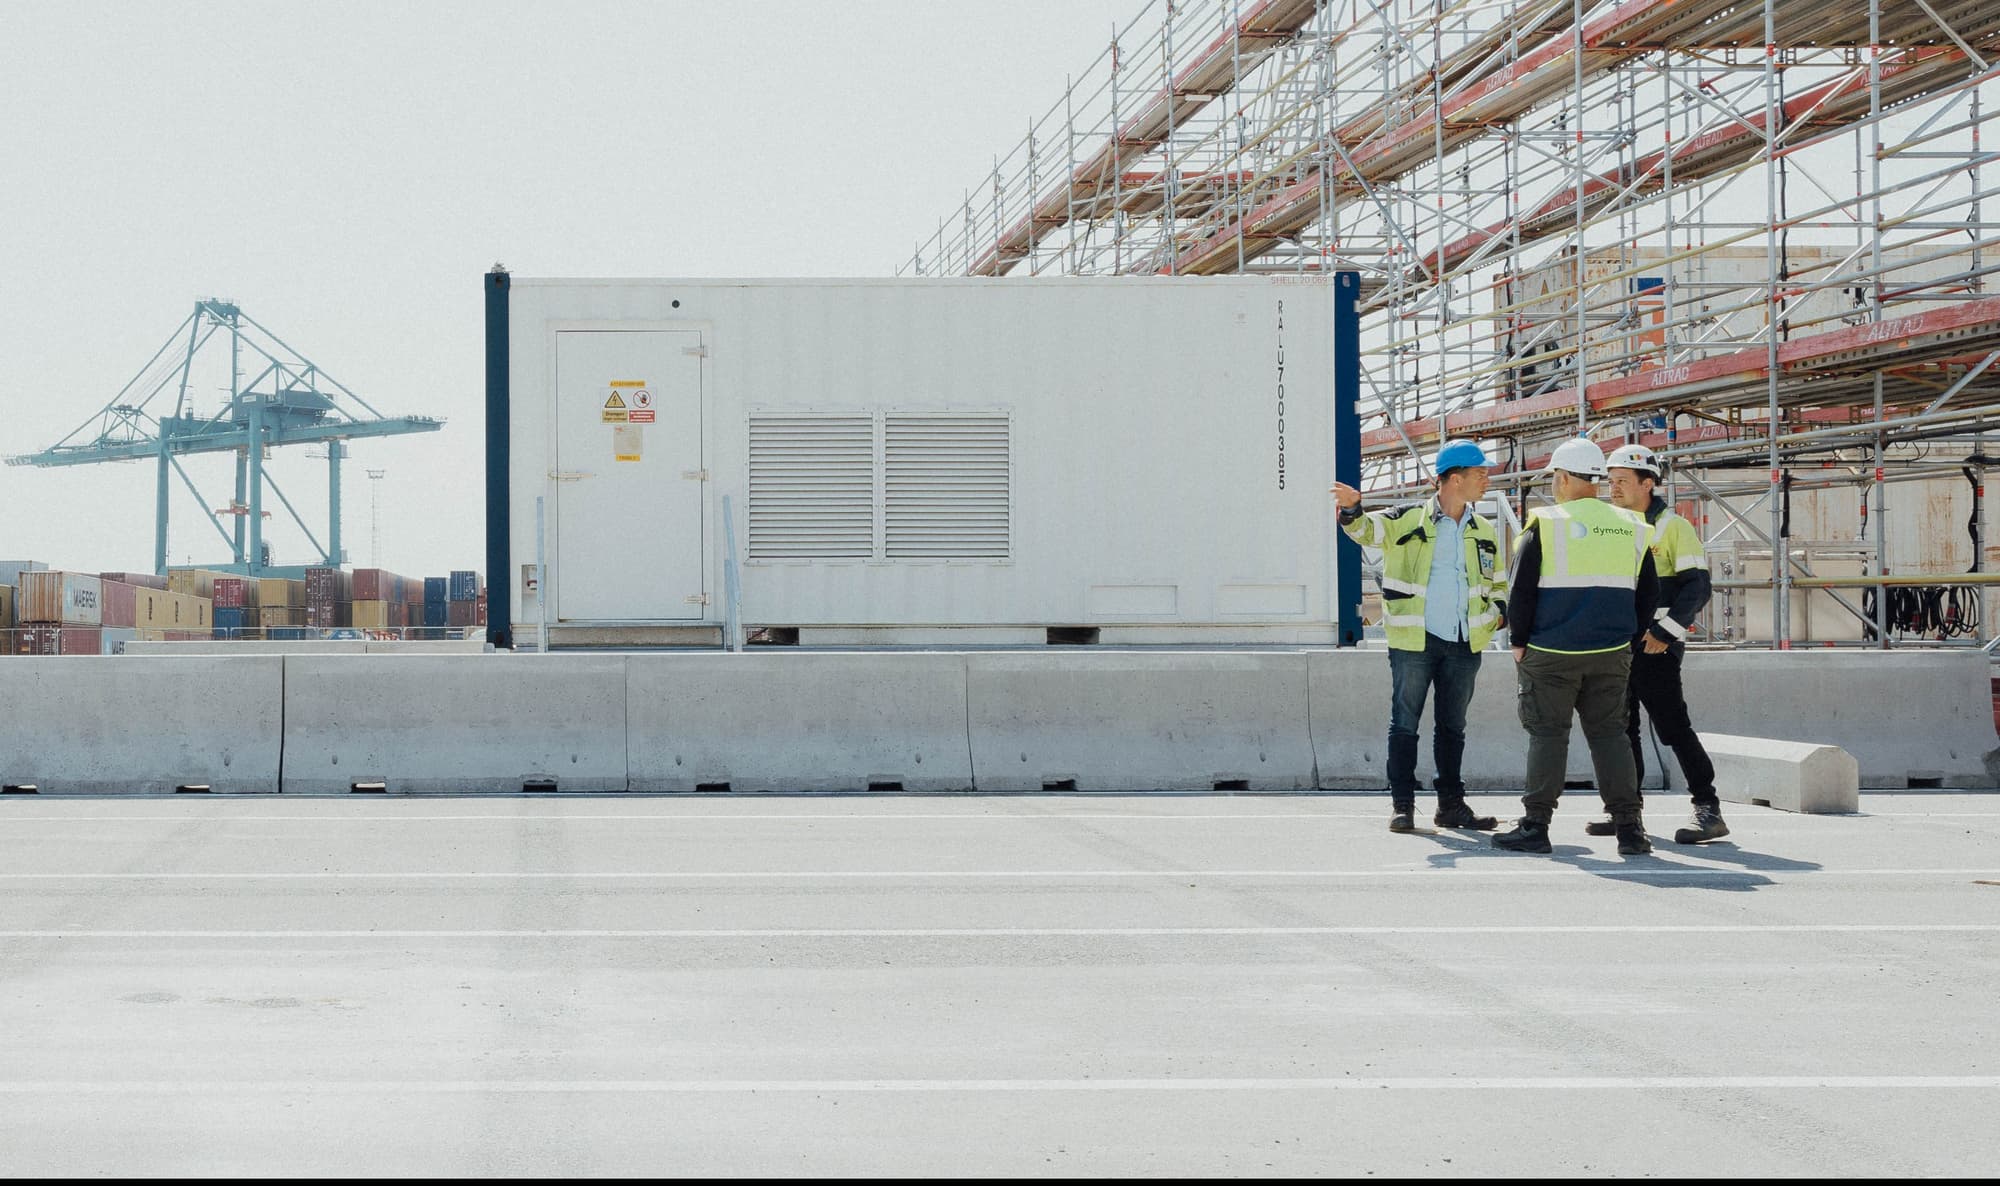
x,y
1553,688
1453,668
1656,686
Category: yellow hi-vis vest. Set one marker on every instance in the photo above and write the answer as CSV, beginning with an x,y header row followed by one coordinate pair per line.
x,y
1406,541
1591,556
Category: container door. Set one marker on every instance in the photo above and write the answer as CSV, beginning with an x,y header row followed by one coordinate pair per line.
x,y
628,503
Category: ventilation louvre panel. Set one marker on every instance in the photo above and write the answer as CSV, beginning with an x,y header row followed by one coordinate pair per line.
x,y
812,487
946,487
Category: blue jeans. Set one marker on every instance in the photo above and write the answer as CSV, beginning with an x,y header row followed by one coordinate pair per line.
x,y
1453,667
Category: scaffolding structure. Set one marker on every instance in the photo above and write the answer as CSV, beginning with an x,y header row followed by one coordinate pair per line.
x,y
1757,235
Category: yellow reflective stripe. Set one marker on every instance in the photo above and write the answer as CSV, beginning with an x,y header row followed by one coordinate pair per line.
x,y
1392,620
1392,584
1590,580
1674,628
1684,563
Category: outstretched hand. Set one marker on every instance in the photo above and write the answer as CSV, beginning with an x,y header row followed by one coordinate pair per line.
x,y
1345,496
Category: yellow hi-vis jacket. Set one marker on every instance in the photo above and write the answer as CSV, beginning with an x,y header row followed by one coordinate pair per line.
x,y
1405,538
1682,569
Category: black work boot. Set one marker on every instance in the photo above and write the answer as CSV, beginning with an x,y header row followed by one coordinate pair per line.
x,y
1405,819
1632,838
1706,825
1529,835
1601,827
1460,815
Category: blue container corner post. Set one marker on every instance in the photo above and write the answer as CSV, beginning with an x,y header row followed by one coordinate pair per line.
x,y
1347,446
498,457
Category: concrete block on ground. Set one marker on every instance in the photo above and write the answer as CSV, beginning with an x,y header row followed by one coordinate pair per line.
x,y
1789,775
454,723
1126,721
796,721
142,725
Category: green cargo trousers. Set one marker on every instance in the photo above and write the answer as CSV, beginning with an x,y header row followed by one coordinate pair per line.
x,y
1592,687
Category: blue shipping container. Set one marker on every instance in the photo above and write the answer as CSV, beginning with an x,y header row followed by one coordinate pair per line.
x,y
437,590
230,618
464,586
289,632
436,613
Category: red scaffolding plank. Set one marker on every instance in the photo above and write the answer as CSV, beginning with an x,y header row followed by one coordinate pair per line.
x,y
1943,334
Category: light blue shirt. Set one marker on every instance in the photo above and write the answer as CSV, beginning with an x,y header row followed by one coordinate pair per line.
x,y
1446,598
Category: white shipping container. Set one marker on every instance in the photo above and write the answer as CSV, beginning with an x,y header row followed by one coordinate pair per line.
x,y
907,455
67,598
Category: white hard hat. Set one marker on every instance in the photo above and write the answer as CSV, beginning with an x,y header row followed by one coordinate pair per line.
x,y
1578,456
1637,457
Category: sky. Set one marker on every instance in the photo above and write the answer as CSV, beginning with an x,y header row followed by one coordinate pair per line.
x,y
347,172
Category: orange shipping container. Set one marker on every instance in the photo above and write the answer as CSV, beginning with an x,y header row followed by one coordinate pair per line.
x,y
66,598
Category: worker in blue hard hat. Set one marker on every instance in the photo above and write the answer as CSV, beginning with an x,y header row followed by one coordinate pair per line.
x,y
1444,596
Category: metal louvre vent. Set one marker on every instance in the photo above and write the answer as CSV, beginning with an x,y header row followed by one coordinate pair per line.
x,y
946,487
812,487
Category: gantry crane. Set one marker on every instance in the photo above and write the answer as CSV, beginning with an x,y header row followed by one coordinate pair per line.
x,y
286,400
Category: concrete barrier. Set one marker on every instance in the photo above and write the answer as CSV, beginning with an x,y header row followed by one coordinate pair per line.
x,y
797,722
454,723
1003,721
1350,725
1788,775
1135,721
84,723
1908,717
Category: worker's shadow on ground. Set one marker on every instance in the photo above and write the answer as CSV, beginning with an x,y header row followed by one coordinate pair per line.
x,y
1463,850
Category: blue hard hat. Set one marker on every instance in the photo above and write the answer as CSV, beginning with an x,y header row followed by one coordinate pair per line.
x,y
1457,455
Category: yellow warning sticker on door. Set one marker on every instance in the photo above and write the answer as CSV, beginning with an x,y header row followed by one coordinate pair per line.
x,y
628,442
615,411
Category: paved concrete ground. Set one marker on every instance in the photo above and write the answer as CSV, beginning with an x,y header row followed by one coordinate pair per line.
x,y
994,985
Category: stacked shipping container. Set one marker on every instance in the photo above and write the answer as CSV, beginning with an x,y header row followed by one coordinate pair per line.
x,y
329,597
281,607
70,613
468,601
384,600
